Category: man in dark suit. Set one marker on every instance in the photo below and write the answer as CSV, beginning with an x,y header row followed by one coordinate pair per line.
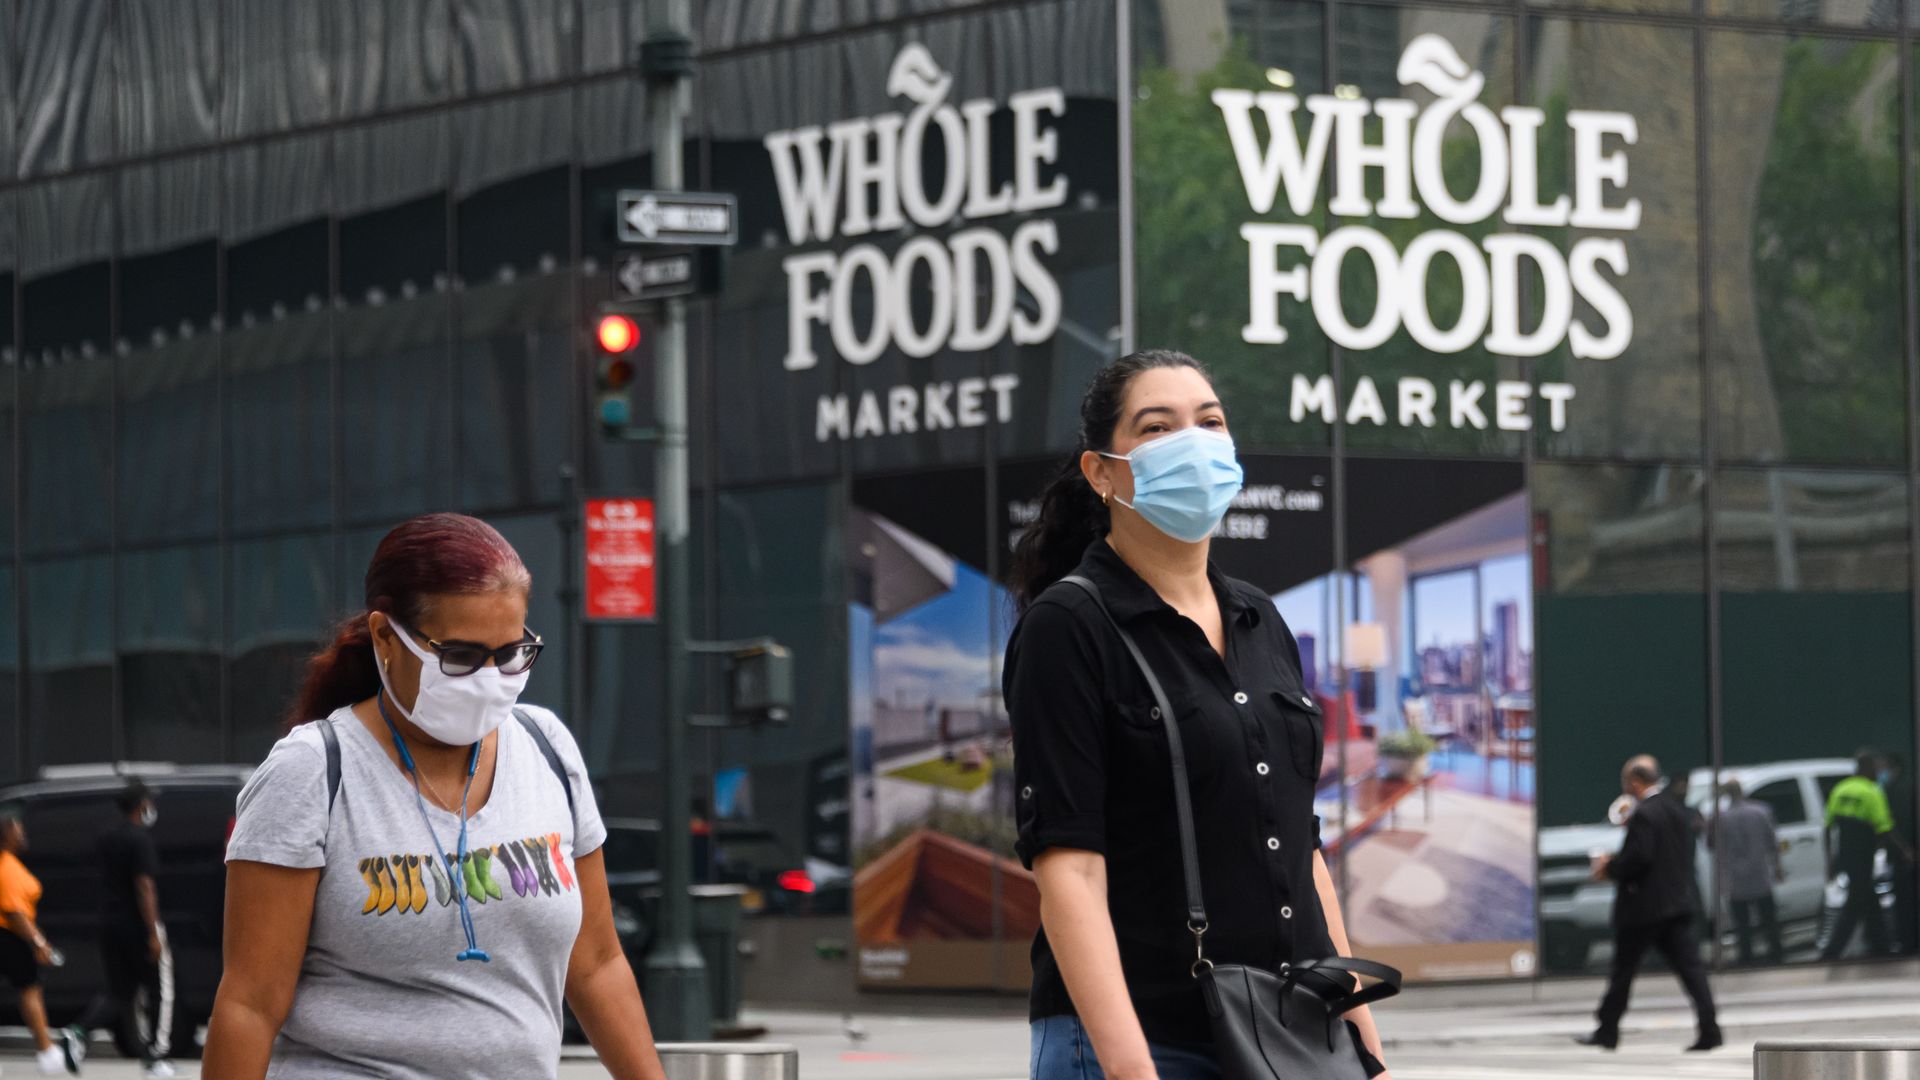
x,y
1653,904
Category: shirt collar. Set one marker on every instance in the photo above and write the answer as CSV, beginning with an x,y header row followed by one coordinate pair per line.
x,y
1128,597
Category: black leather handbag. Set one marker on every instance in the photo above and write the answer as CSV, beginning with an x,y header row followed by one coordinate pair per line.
x,y
1267,1025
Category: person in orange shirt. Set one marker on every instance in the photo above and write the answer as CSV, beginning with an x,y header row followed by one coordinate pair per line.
x,y
24,950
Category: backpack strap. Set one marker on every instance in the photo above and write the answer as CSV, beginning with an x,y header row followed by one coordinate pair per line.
x,y
332,739
547,751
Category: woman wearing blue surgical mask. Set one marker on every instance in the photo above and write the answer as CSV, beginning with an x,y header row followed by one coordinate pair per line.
x,y
1115,990
415,882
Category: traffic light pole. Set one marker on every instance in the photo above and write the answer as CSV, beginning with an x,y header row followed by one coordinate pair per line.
x,y
675,978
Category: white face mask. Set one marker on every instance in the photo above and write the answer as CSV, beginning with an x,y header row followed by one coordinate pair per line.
x,y
456,710
149,816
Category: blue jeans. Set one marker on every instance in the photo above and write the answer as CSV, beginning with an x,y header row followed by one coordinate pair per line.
x,y
1062,1051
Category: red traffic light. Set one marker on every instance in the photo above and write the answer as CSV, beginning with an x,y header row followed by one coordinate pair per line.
x,y
617,333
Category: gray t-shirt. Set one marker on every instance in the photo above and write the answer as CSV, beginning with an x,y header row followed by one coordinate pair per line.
x,y
380,993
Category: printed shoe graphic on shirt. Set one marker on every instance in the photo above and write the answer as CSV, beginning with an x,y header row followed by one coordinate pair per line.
x,y
559,860
442,888
400,883
415,883
483,861
469,873
516,870
373,887
402,891
388,895
537,851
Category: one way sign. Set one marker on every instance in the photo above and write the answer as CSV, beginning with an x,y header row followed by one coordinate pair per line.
x,y
677,217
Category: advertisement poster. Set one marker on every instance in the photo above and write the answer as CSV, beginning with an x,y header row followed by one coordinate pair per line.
x,y
939,898
1427,792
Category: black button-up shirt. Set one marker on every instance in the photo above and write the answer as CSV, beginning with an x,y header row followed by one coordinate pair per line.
x,y
1092,772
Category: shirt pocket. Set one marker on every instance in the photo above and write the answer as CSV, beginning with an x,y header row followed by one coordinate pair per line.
x,y
1306,731
1147,733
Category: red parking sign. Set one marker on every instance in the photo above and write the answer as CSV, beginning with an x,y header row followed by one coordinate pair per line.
x,y
619,559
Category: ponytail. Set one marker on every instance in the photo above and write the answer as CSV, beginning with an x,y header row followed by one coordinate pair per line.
x,y
341,674
1072,517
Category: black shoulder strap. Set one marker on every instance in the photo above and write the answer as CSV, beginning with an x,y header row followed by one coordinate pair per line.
x,y
332,739
1176,750
546,751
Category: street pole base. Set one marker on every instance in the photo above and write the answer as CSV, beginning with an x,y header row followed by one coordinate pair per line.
x,y
679,1005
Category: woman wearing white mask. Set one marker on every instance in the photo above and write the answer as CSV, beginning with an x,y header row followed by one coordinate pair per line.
x,y
415,881
1131,930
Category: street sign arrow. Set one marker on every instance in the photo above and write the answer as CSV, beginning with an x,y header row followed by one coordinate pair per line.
x,y
652,276
677,217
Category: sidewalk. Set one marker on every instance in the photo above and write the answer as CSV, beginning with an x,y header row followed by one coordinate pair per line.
x,y
1477,1032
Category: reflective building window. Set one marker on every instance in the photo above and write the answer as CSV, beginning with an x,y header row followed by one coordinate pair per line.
x,y
278,341
1807,355
391,183
515,333
169,366
278,69
1622,645
1633,372
172,76
65,84
1816,615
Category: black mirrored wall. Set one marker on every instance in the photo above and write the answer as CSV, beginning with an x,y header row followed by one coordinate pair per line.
x,y
1663,266
273,278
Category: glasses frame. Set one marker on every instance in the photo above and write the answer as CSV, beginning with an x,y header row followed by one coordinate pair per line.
x,y
498,656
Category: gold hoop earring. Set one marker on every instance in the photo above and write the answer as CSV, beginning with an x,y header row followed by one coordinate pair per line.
x,y
1104,496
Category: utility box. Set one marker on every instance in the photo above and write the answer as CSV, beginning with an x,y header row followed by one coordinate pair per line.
x,y
760,682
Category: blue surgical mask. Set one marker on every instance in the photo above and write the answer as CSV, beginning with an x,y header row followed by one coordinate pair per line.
x,y
1184,482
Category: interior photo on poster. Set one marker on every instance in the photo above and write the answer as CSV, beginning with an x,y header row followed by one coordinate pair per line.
x,y
1427,793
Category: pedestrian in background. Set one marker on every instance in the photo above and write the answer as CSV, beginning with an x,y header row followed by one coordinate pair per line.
x,y
1115,990
138,1003
416,882
1653,903
24,950
1746,842
1897,782
1859,823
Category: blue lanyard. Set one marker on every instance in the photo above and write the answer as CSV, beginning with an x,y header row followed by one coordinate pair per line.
x,y
473,950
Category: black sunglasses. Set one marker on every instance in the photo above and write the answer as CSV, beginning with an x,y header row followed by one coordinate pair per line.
x,y
459,658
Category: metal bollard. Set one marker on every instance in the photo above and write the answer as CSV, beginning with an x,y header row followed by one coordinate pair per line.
x,y
1837,1059
730,1061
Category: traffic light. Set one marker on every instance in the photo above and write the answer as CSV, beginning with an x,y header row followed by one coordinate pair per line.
x,y
616,337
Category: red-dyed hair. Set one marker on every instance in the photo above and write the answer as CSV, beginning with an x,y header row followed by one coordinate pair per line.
x,y
429,556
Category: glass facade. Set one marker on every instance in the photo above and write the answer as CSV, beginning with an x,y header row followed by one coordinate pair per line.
x,y
1662,270
1575,394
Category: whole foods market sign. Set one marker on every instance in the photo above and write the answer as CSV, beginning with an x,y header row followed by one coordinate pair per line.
x,y
868,177
1295,262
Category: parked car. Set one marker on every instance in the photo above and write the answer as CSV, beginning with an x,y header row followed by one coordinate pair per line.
x,y
66,812
1575,911
730,853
